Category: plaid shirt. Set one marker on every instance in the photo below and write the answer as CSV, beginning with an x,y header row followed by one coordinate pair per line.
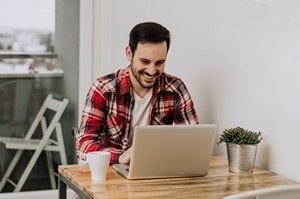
x,y
105,119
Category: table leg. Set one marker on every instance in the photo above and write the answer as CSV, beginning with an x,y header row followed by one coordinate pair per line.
x,y
62,189
63,182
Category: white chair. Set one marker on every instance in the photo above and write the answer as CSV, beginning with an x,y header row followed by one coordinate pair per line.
x,y
46,143
276,192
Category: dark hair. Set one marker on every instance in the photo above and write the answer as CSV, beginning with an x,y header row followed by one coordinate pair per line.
x,y
148,32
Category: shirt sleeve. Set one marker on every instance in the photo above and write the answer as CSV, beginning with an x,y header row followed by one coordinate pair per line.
x,y
90,136
185,112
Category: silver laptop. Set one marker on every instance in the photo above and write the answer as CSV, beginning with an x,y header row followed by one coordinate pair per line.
x,y
164,151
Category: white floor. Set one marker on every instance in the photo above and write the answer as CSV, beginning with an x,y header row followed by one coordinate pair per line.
x,y
46,194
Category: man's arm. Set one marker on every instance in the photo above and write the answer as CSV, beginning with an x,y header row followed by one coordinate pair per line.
x,y
185,112
91,131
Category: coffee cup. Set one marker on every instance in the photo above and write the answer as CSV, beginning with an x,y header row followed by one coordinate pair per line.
x,y
98,162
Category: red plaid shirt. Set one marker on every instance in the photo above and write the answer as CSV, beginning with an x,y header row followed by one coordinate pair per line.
x,y
105,119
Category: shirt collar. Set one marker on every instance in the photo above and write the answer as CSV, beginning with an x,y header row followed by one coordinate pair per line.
x,y
125,84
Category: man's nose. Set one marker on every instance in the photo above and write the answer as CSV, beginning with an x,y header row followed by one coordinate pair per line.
x,y
152,69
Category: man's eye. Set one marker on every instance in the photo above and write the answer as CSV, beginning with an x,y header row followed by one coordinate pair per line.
x,y
159,63
145,61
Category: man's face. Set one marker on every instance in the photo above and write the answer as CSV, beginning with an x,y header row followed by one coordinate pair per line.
x,y
147,64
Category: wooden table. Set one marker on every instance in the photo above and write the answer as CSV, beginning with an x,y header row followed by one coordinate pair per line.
x,y
217,184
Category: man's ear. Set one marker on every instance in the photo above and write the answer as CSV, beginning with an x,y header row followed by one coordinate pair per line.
x,y
128,53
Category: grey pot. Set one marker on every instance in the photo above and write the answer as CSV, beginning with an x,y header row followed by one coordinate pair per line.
x,y
241,158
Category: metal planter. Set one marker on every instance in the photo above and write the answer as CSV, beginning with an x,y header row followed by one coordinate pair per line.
x,y
241,158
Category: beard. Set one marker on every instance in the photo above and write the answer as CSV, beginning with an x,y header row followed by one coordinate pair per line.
x,y
145,79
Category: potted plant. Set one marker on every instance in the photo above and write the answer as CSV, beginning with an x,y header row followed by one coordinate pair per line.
x,y
241,147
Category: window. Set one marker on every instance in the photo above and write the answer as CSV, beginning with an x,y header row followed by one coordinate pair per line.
x,y
27,36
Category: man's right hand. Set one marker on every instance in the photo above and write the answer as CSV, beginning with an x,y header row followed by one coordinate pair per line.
x,y
124,158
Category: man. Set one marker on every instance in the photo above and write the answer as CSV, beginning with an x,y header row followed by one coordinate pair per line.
x,y
141,94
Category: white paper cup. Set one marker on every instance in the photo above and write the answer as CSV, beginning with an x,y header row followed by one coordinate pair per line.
x,y
98,162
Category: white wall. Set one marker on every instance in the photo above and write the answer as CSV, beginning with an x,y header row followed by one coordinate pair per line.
x,y
239,58
86,49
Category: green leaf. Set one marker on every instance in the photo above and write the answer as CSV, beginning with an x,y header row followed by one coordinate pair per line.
x,y
240,136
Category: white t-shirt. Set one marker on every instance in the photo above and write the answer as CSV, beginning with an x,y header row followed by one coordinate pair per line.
x,y
140,113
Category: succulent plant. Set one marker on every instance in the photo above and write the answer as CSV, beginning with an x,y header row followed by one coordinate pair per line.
x,y
240,136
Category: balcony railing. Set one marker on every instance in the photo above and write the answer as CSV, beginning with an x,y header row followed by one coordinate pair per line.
x,y
6,55
29,65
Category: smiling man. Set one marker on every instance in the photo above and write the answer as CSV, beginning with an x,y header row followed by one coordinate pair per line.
x,y
141,94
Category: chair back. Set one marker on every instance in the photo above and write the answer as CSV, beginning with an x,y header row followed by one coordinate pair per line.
x,y
52,104
277,192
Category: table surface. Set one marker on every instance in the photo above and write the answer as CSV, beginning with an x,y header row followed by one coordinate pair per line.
x,y
217,184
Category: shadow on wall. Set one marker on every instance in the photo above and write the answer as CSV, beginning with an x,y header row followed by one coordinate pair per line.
x,y
263,156
208,110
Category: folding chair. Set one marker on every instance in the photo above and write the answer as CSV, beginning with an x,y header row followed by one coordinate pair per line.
x,y
38,145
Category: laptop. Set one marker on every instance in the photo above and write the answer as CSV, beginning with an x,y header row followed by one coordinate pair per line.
x,y
165,151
